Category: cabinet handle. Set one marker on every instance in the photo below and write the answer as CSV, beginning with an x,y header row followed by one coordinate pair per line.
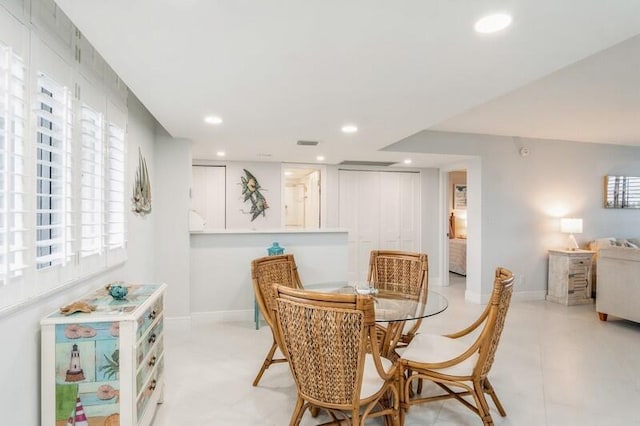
x,y
152,315
152,361
152,338
152,386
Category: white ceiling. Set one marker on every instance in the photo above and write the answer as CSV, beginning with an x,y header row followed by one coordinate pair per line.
x,y
282,70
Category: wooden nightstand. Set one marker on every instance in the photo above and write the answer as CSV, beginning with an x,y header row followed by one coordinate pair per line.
x,y
570,276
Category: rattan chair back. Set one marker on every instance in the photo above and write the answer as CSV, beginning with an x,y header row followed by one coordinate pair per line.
x,y
326,338
400,271
403,272
267,271
496,313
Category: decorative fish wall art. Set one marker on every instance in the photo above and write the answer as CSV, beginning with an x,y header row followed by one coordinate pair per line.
x,y
141,188
251,193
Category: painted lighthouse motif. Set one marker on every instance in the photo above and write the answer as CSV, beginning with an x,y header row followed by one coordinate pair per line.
x,y
77,417
74,373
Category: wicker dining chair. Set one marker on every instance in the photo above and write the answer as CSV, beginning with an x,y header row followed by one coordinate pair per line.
x,y
449,362
330,341
265,272
404,272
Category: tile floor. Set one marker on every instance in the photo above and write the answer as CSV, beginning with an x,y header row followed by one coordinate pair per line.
x,y
556,366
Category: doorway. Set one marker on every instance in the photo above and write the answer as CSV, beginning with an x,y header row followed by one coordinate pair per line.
x,y
457,213
467,219
302,200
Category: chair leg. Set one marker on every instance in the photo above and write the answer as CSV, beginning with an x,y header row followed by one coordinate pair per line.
x,y
492,393
267,362
296,417
483,407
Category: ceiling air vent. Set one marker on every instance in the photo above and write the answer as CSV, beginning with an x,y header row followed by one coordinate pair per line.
x,y
367,163
307,143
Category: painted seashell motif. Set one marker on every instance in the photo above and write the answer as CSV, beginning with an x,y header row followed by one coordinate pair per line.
x,y
114,329
112,420
106,392
76,331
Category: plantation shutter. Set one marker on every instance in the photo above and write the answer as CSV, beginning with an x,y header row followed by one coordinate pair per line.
x,y
115,187
12,166
92,183
54,215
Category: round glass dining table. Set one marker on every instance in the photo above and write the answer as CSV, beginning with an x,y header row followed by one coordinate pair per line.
x,y
392,309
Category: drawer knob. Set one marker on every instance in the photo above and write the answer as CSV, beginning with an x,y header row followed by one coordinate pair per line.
x,y
152,386
152,338
152,315
152,361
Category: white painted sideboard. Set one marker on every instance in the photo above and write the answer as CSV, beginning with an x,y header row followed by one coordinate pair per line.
x,y
105,367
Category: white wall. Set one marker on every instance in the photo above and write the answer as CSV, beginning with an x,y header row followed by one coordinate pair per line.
x,y
523,197
429,186
221,286
171,204
20,355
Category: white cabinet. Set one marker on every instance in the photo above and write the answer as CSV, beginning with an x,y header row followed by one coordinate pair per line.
x,y
208,195
381,210
105,367
570,276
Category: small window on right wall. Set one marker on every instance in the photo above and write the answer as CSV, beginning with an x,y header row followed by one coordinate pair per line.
x,y
622,192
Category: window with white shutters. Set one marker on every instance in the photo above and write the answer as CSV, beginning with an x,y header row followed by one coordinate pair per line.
x,y
115,227
13,230
92,182
54,215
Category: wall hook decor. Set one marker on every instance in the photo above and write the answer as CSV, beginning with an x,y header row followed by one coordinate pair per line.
x,y
141,188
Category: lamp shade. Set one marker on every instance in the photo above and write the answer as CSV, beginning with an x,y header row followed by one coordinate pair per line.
x,y
570,225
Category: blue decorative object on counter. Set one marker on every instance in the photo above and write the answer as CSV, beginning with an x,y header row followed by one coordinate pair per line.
x,y
275,249
117,290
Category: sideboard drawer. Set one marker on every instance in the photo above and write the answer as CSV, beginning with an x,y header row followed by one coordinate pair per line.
x,y
149,363
149,317
148,340
149,389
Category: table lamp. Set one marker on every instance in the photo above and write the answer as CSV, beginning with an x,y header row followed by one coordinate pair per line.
x,y
570,225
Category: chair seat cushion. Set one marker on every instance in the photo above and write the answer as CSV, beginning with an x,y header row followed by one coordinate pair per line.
x,y
371,380
432,348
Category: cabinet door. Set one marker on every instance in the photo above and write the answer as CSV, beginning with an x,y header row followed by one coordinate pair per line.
x,y
208,195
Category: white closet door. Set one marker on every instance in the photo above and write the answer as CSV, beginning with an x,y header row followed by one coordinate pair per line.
x,y
390,211
208,195
381,211
360,213
368,205
409,212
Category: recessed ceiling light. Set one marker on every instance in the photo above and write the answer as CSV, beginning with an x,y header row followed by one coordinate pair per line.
x,y
213,119
220,153
407,161
493,23
320,158
288,173
349,128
